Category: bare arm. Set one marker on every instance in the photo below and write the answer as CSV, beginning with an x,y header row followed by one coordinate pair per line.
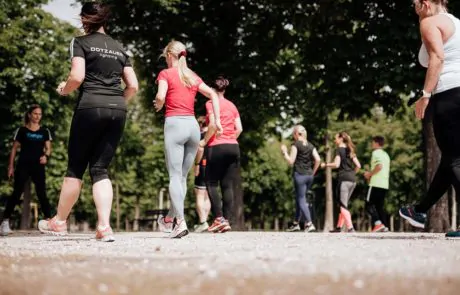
x,y
357,164
317,161
161,95
199,155
130,79
238,127
14,150
212,95
333,165
76,76
290,158
210,132
432,38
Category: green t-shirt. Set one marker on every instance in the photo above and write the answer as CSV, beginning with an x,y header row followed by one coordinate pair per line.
x,y
382,178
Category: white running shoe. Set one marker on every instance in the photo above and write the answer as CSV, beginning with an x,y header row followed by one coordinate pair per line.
x,y
310,228
180,230
5,228
199,228
164,226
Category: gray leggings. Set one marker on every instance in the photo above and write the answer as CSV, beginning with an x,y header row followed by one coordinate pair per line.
x,y
182,137
344,191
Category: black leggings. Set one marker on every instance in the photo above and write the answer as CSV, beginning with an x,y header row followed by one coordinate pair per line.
x,y
375,204
222,168
37,173
94,137
446,126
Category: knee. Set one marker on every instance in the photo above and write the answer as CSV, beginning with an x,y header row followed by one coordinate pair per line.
x,y
98,173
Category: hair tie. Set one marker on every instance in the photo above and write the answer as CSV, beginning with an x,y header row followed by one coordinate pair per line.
x,y
183,53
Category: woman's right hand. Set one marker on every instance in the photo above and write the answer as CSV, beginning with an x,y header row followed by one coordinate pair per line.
x,y
219,130
10,172
323,165
284,149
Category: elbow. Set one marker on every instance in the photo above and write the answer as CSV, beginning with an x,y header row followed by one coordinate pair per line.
x,y
133,87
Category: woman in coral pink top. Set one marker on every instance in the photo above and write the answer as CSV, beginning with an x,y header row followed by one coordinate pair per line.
x,y
223,157
177,88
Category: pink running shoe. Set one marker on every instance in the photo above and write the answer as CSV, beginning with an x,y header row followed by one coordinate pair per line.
x,y
51,227
104,235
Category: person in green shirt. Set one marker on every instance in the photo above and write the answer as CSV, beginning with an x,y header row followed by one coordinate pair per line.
x,y
379,182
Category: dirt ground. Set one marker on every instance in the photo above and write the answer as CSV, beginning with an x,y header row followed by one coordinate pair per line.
x,y
231,263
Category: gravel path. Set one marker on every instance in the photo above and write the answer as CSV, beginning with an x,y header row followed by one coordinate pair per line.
x,y
231,263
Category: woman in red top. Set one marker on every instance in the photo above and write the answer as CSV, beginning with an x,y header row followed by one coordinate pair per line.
x,y
177,88
223,157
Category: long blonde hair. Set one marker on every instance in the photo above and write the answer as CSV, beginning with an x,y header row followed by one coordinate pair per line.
x,y
348,142
178,50
300,130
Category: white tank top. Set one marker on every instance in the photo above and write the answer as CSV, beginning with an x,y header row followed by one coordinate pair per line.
x,y
450,75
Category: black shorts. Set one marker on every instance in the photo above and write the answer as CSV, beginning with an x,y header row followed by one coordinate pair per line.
x,y
200,181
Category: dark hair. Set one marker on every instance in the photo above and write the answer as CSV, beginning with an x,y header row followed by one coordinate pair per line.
x,y
220,84
29,112
94,15
201,121
380,140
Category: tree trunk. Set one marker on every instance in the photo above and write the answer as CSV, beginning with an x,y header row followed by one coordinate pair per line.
x,y
438,215
238,204
136,214
25,217
328,215
453,197
117,200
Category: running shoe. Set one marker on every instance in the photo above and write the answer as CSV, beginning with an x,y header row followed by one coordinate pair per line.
x,y
5,228
180,230
201,227
219,224
379,228
415,219
51,227
104,235
164,226
226,227
293,228
310,228
336,230
351,230
454,234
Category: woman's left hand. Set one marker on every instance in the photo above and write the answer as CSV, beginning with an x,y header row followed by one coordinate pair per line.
x,y
43,160
420,107
60,88
284,149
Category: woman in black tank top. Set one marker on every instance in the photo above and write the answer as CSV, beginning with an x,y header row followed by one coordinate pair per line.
x,y
347,164
305,159
99,63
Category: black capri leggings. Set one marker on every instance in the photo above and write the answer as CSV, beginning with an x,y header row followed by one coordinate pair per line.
x,y
221,168
94,136
22,173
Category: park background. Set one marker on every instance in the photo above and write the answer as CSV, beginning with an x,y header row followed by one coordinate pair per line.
x,y
328,65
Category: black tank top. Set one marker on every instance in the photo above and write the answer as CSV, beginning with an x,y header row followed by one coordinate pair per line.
x,y
304,161
346,171
105,60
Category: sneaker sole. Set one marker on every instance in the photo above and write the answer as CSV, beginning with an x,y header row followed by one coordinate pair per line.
x,y
310,230
225,229
181,234
216,229
106,239
53,233
380,230
412,221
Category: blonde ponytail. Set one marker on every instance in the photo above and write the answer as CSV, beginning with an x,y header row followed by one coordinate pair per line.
x,y
186,75
177,50
300,130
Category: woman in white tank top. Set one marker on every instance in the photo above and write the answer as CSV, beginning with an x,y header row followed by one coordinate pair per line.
x,y
440,54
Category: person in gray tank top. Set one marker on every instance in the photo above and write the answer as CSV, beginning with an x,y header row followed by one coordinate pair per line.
x,y
305,161
440,98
